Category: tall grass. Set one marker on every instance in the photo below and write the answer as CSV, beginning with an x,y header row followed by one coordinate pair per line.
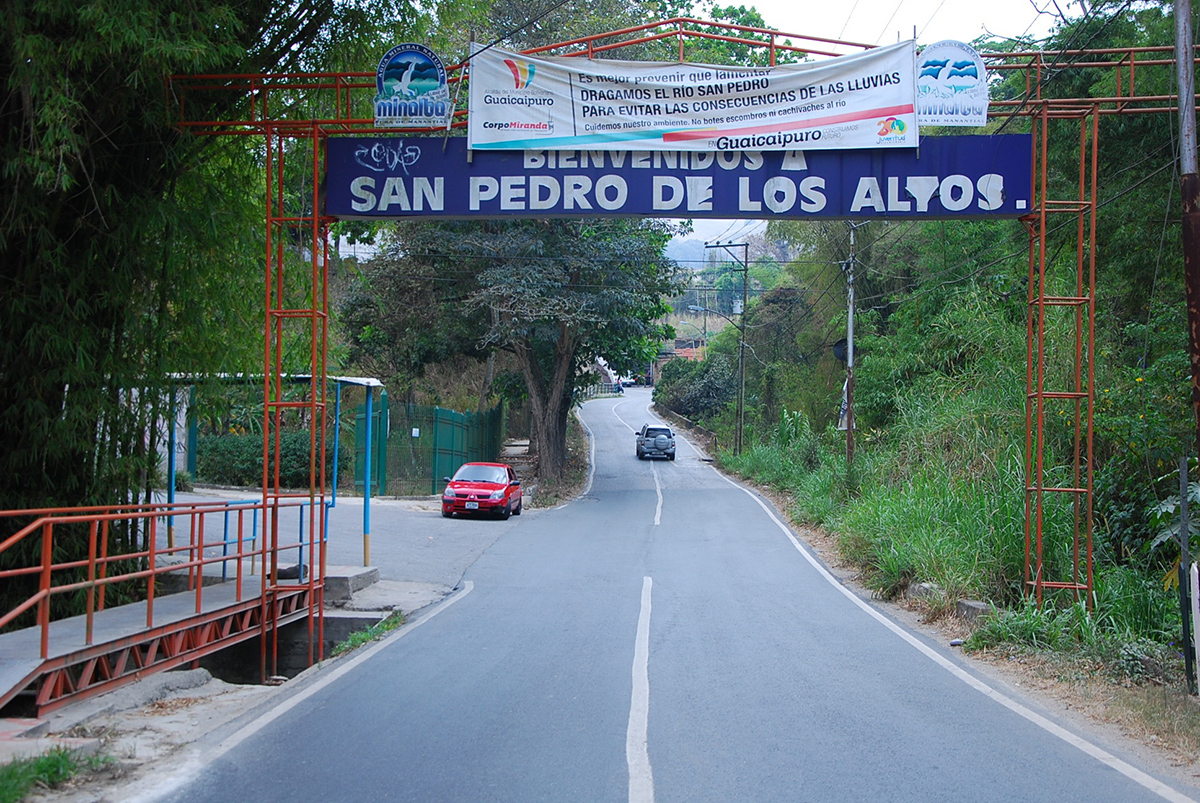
x,y
939,495
964,535
1130,622
20,776
940,499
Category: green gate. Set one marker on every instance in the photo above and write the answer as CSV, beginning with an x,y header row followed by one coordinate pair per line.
x,y
429,443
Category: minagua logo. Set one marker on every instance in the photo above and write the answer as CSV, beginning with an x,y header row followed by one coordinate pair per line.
x,y
522,73
411,89
892,127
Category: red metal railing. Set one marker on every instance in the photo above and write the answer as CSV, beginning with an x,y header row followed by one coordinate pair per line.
x,y
139,572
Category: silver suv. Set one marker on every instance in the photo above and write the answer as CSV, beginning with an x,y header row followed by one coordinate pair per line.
x,y
655,441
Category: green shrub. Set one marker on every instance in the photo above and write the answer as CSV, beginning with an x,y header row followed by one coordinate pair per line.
x,y
697,389
237,459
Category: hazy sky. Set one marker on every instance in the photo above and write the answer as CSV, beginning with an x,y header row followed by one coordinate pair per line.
x,y
877,22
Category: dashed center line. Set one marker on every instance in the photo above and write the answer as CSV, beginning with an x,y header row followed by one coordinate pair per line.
x,y
657,490
637,754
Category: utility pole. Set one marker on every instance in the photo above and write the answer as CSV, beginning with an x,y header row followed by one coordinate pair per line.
x,y
1190,184
741,394
741,411
850,350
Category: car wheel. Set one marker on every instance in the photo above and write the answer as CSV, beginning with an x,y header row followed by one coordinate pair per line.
x,y
505,512
671,456
446,514
520,505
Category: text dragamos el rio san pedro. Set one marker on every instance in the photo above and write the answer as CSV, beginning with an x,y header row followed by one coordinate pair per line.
x,y
866,100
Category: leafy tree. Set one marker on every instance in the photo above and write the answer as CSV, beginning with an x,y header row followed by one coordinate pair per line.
x,y
554,294
559,293
698,389
407,308
554,21
129,250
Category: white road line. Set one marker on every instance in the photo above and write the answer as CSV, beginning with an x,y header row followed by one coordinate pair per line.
x,y
657,490
653,468
637,756
618,416
622,420
196,764
1095,751
591,455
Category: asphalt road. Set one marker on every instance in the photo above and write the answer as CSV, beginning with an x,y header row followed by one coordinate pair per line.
x,y
662,638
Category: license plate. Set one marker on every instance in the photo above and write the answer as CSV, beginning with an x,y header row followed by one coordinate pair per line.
x,y
472,506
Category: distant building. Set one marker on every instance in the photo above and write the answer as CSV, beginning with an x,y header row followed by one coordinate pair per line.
x,y
690,348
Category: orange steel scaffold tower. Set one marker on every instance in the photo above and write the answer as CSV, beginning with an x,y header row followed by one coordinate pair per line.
x,y
1059,510
1061,318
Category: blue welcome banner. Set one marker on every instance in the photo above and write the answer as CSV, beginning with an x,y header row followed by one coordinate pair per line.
x,y
946,177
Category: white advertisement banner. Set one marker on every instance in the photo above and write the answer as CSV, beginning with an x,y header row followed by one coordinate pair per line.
x,y
519,102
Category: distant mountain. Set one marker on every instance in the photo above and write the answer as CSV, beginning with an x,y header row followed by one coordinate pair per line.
x,y
689,253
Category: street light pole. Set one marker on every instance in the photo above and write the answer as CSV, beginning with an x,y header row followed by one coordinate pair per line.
x,y
741,396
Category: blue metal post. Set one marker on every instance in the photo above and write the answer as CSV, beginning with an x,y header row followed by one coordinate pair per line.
x,y
367,483
301,561
224,547
171,470
337,432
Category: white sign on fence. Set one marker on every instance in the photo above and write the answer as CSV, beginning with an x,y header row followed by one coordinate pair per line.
x,y
865,100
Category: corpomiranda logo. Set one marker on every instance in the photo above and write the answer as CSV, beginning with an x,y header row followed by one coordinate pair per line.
x,y
522,72
892,127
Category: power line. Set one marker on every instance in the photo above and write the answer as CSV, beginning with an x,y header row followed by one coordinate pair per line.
x,y
1049,73
895,11
849,16
934,14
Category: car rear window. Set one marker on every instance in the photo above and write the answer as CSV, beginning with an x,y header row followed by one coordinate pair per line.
x,y
654,432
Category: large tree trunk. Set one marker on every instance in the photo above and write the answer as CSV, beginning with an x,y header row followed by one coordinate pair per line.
x,y
549,397
488,376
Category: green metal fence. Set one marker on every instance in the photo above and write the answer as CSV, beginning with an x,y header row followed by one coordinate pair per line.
x,y
425,444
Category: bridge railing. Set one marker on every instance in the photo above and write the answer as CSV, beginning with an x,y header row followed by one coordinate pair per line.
x,y
243,531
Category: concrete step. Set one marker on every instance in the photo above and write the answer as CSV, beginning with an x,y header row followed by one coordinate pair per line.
x,y
342,582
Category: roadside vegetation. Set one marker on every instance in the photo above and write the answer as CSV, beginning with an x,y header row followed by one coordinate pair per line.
x,y
368,634
22,776
935,493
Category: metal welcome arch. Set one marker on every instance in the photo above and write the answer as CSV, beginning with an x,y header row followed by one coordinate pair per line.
x,y
295,157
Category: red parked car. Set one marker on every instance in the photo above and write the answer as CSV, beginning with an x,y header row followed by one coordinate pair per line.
x,y
483,488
